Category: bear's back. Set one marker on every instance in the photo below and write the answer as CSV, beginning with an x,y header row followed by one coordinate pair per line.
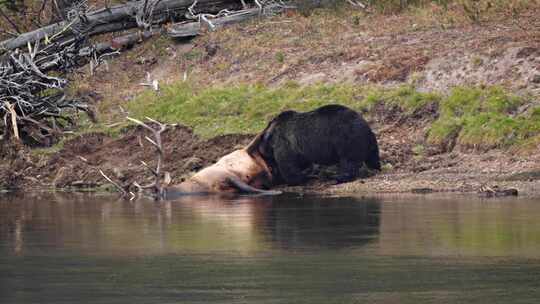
x,y
332,109
327,121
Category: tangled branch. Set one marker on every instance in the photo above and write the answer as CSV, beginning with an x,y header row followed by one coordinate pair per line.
x,y
264,7
145,13
161,179
34,99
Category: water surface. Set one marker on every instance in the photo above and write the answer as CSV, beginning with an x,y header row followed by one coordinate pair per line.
x,y
67,248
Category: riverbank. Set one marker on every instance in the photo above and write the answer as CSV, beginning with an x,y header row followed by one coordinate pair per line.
x,y
454,104
76,166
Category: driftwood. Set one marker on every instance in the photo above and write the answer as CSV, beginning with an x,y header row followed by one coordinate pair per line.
x,y
190,29
184,29
35,100
119,17
496,191
33,103
32,98
115,44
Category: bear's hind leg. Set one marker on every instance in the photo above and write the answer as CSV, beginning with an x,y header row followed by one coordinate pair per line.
x,y
348,170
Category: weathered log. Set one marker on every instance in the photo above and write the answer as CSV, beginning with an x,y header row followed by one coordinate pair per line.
x,y
190,29
129,40
235,18
184,29
122,15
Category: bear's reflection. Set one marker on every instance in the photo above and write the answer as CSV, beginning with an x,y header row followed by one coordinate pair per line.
x,y
314,222
292,221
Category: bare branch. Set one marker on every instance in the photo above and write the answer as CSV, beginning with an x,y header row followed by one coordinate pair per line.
x,y
13,115
124,193
161,179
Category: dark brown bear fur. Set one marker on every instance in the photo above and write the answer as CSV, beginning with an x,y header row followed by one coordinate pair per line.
x,y
330,135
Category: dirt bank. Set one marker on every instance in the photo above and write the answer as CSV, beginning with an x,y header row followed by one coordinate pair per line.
x,y
76,166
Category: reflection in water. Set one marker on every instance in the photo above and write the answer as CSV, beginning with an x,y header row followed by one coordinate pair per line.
x,y
249,224
450,227
93,249
242,224
317,222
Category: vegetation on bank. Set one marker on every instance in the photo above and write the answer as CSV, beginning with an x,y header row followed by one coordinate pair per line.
x,y
485,118
471,117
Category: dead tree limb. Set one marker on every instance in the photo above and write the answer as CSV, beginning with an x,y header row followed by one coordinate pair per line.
x,y
160,179
34,98
125,14
223,18
13,115
115,184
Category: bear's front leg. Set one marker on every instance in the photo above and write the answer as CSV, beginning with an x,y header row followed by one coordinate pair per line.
x,y
348,171
291,169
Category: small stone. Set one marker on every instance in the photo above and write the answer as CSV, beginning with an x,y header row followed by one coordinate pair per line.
x,y
535,78
118,173
211,49
422,190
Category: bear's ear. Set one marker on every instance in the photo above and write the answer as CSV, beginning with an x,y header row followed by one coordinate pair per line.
x,y
253,146
260,140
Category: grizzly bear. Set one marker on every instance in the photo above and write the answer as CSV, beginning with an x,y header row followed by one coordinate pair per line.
x,y
330,135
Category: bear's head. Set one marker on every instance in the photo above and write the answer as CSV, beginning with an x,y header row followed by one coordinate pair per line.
x,y
261,146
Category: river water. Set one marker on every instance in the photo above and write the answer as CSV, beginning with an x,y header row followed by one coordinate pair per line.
x,y
68,248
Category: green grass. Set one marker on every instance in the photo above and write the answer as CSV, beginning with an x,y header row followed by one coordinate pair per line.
x,y
407,98
484,118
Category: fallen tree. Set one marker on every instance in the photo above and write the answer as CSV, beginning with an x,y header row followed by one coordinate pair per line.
x,y
223,18
34,67
141,13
